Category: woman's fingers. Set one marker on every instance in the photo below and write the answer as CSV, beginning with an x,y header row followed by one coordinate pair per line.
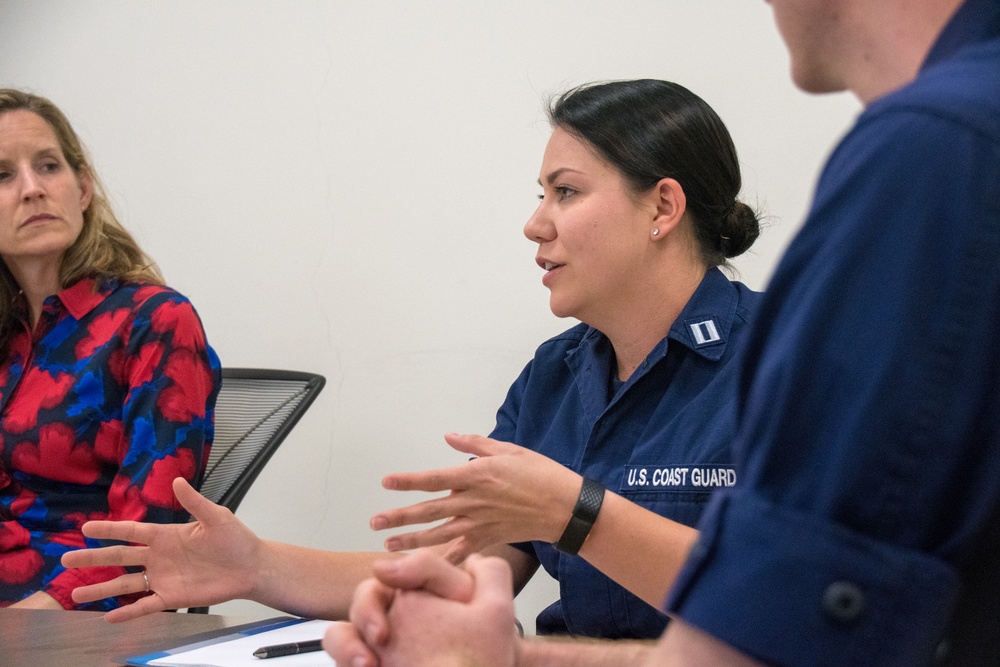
x,y
444,479
118,586
125,531
442,534
455,478
200,507
476,445
116,556
424,512
123,585
141,607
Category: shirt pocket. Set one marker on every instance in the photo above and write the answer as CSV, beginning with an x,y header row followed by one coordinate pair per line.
x,y
676,491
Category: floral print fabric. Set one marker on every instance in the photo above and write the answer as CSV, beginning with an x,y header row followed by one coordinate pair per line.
x,y
102,405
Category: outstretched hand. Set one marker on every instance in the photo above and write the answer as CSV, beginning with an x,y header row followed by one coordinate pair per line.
x,y
506,494
421,611
205,562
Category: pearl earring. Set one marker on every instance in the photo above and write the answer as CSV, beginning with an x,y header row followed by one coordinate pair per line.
x,y
656,231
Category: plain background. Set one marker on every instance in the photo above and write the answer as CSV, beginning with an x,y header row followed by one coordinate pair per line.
x,y
340,187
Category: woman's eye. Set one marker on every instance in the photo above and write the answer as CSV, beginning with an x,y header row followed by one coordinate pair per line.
x,y
50,167
562,192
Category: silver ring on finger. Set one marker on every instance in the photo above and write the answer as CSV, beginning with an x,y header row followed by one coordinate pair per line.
x,y
145,578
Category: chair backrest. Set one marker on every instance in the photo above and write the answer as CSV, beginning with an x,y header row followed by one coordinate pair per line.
x,y
255,410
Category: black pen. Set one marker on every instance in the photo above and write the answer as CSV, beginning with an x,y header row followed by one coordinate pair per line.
x,y
279,650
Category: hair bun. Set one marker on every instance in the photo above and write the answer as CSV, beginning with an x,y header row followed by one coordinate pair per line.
x,y
739,229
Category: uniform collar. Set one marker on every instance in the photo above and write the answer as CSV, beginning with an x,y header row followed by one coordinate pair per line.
x,y
704,324
975,21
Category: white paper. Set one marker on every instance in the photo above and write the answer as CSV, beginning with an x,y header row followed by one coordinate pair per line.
x,y
239,652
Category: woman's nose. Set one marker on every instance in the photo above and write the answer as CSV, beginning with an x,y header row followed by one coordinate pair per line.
x,y
539,226
31,185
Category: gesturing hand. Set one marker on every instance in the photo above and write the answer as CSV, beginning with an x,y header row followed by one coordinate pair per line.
x,y
208,561
506,494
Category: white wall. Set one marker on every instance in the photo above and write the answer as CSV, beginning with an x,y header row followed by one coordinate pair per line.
x,y
340,187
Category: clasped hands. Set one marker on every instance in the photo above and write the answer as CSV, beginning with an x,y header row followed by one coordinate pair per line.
x,y
421,611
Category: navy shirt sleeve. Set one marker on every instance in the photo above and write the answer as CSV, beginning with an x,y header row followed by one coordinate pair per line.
x,y
870,408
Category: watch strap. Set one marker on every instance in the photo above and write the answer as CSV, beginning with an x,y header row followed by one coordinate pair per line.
x,y
588,506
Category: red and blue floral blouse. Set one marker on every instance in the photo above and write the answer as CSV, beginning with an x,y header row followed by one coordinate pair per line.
x,y
102,405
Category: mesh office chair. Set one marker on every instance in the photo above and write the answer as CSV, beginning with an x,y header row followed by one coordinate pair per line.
x,y
254,412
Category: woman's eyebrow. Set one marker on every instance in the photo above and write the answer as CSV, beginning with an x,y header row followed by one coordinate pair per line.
x,y
557,173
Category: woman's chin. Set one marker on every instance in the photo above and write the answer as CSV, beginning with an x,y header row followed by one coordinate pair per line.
x,y
561,309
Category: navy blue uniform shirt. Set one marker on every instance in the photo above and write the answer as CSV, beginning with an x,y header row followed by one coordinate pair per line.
x,y
663,440
869,442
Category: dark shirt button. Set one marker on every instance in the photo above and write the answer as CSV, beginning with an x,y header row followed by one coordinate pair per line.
x,y
843,601
942,652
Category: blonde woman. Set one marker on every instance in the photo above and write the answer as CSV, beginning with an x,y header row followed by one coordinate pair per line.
x,y
107,384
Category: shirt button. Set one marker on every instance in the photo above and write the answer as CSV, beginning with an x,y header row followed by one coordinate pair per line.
x,y
942,652
843,601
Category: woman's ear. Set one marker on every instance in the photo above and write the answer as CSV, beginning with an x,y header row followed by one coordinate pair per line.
x,y
86,188
668,198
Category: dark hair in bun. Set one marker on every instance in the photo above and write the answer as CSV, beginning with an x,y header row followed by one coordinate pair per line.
x,y
650,130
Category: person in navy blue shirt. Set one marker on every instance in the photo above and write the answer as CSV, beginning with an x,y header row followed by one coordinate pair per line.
x,y
870,422
639,210
864,527
639,207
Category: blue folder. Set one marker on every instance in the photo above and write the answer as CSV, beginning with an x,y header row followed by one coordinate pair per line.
x,y
217,636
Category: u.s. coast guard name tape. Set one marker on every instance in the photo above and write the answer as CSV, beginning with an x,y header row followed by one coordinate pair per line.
x,y
678,478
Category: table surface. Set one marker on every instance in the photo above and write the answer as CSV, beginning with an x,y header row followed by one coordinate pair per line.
x,y
44,638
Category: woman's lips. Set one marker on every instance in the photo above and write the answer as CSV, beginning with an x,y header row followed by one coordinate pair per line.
x,y
38,218
552,270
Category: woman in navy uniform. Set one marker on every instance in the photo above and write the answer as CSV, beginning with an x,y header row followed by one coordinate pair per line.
x,y
627,417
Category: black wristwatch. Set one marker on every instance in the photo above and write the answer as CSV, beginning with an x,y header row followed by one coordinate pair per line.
x,y
588,506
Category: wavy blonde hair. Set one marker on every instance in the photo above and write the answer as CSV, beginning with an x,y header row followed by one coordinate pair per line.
x,y
104,248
